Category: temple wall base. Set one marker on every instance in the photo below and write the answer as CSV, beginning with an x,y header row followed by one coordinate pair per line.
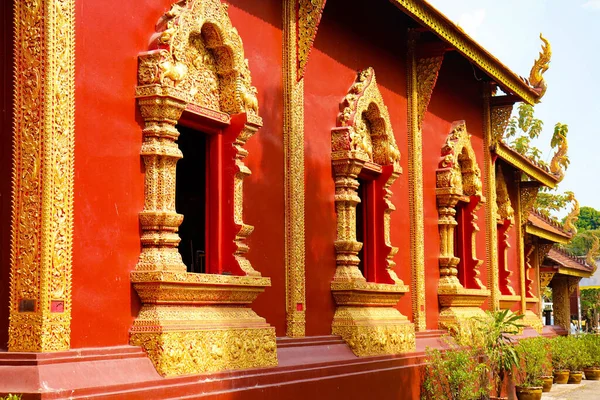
x,y
371,331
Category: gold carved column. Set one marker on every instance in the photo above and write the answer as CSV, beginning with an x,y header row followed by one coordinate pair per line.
x,y
562,287
300,23
489,178
43,159
422,76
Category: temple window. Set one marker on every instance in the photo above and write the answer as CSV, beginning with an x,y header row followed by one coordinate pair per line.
x,y
366,161
459,195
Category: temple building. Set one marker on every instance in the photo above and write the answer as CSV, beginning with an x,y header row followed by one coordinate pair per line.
x,y
258,199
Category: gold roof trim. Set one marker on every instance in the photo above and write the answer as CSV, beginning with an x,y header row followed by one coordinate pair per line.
x,y
544,234
526,165
427,15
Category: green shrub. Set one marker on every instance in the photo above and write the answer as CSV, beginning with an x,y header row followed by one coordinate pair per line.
x,y
454,374
11,397
533,356
560,353
591,347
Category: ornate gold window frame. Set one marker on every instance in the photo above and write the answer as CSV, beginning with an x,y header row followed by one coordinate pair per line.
x,y
458,179
193,323
363,139
505,219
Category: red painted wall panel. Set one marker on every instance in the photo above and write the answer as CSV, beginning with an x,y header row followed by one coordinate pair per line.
x,y
260,27
457,96
6,109
349,39
109,174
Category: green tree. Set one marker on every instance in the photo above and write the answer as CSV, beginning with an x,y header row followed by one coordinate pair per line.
x,y
589,219
521,130
581,244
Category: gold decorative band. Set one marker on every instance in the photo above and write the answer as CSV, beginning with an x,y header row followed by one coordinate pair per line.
x,y
293,137
42,215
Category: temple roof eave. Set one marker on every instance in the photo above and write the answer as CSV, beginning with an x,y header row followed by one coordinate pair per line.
x,y
565,264
526,165
427,15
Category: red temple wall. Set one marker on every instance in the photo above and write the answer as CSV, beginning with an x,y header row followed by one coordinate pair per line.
x,y
109,180
457,96
349,39
6,109
260,27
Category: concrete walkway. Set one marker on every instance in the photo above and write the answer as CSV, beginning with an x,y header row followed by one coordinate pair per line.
x,y
587,390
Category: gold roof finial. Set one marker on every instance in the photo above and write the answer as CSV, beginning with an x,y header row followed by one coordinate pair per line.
x,y
536,78
573,216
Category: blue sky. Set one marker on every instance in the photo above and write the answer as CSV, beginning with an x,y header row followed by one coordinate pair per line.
x,y
510,30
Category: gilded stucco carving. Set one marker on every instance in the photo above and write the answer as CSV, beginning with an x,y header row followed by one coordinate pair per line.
x,y
293,137
542,251
364,135
365,316
540,66
428,69
458,179
43,159
500,116
545,278
527,195
196,62
309,14
422,76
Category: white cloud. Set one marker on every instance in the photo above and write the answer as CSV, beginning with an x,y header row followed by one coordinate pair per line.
x,y
471,21
593,4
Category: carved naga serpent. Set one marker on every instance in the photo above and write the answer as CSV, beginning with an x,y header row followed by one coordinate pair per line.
x,y
559,159
573,216
536,79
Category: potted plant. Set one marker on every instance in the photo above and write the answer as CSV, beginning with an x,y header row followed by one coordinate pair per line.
x,y
591,367
498,346
560,358
453,374
532,355
577,358
546,366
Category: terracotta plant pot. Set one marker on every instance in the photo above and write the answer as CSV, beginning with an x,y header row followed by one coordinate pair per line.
x,y
575,377
592,374
561,377
528,393
547,383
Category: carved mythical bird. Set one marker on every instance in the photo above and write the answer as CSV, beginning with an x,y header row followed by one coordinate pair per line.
x,y
536,78
573,216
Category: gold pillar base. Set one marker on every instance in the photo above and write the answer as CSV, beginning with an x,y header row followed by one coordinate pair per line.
x,y
459,306
199,323
367,320
533,320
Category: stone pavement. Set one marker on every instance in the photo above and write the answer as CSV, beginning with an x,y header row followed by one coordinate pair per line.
x,y
587,390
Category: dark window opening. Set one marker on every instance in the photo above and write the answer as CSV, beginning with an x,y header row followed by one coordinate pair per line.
x,y
361,225
190,198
